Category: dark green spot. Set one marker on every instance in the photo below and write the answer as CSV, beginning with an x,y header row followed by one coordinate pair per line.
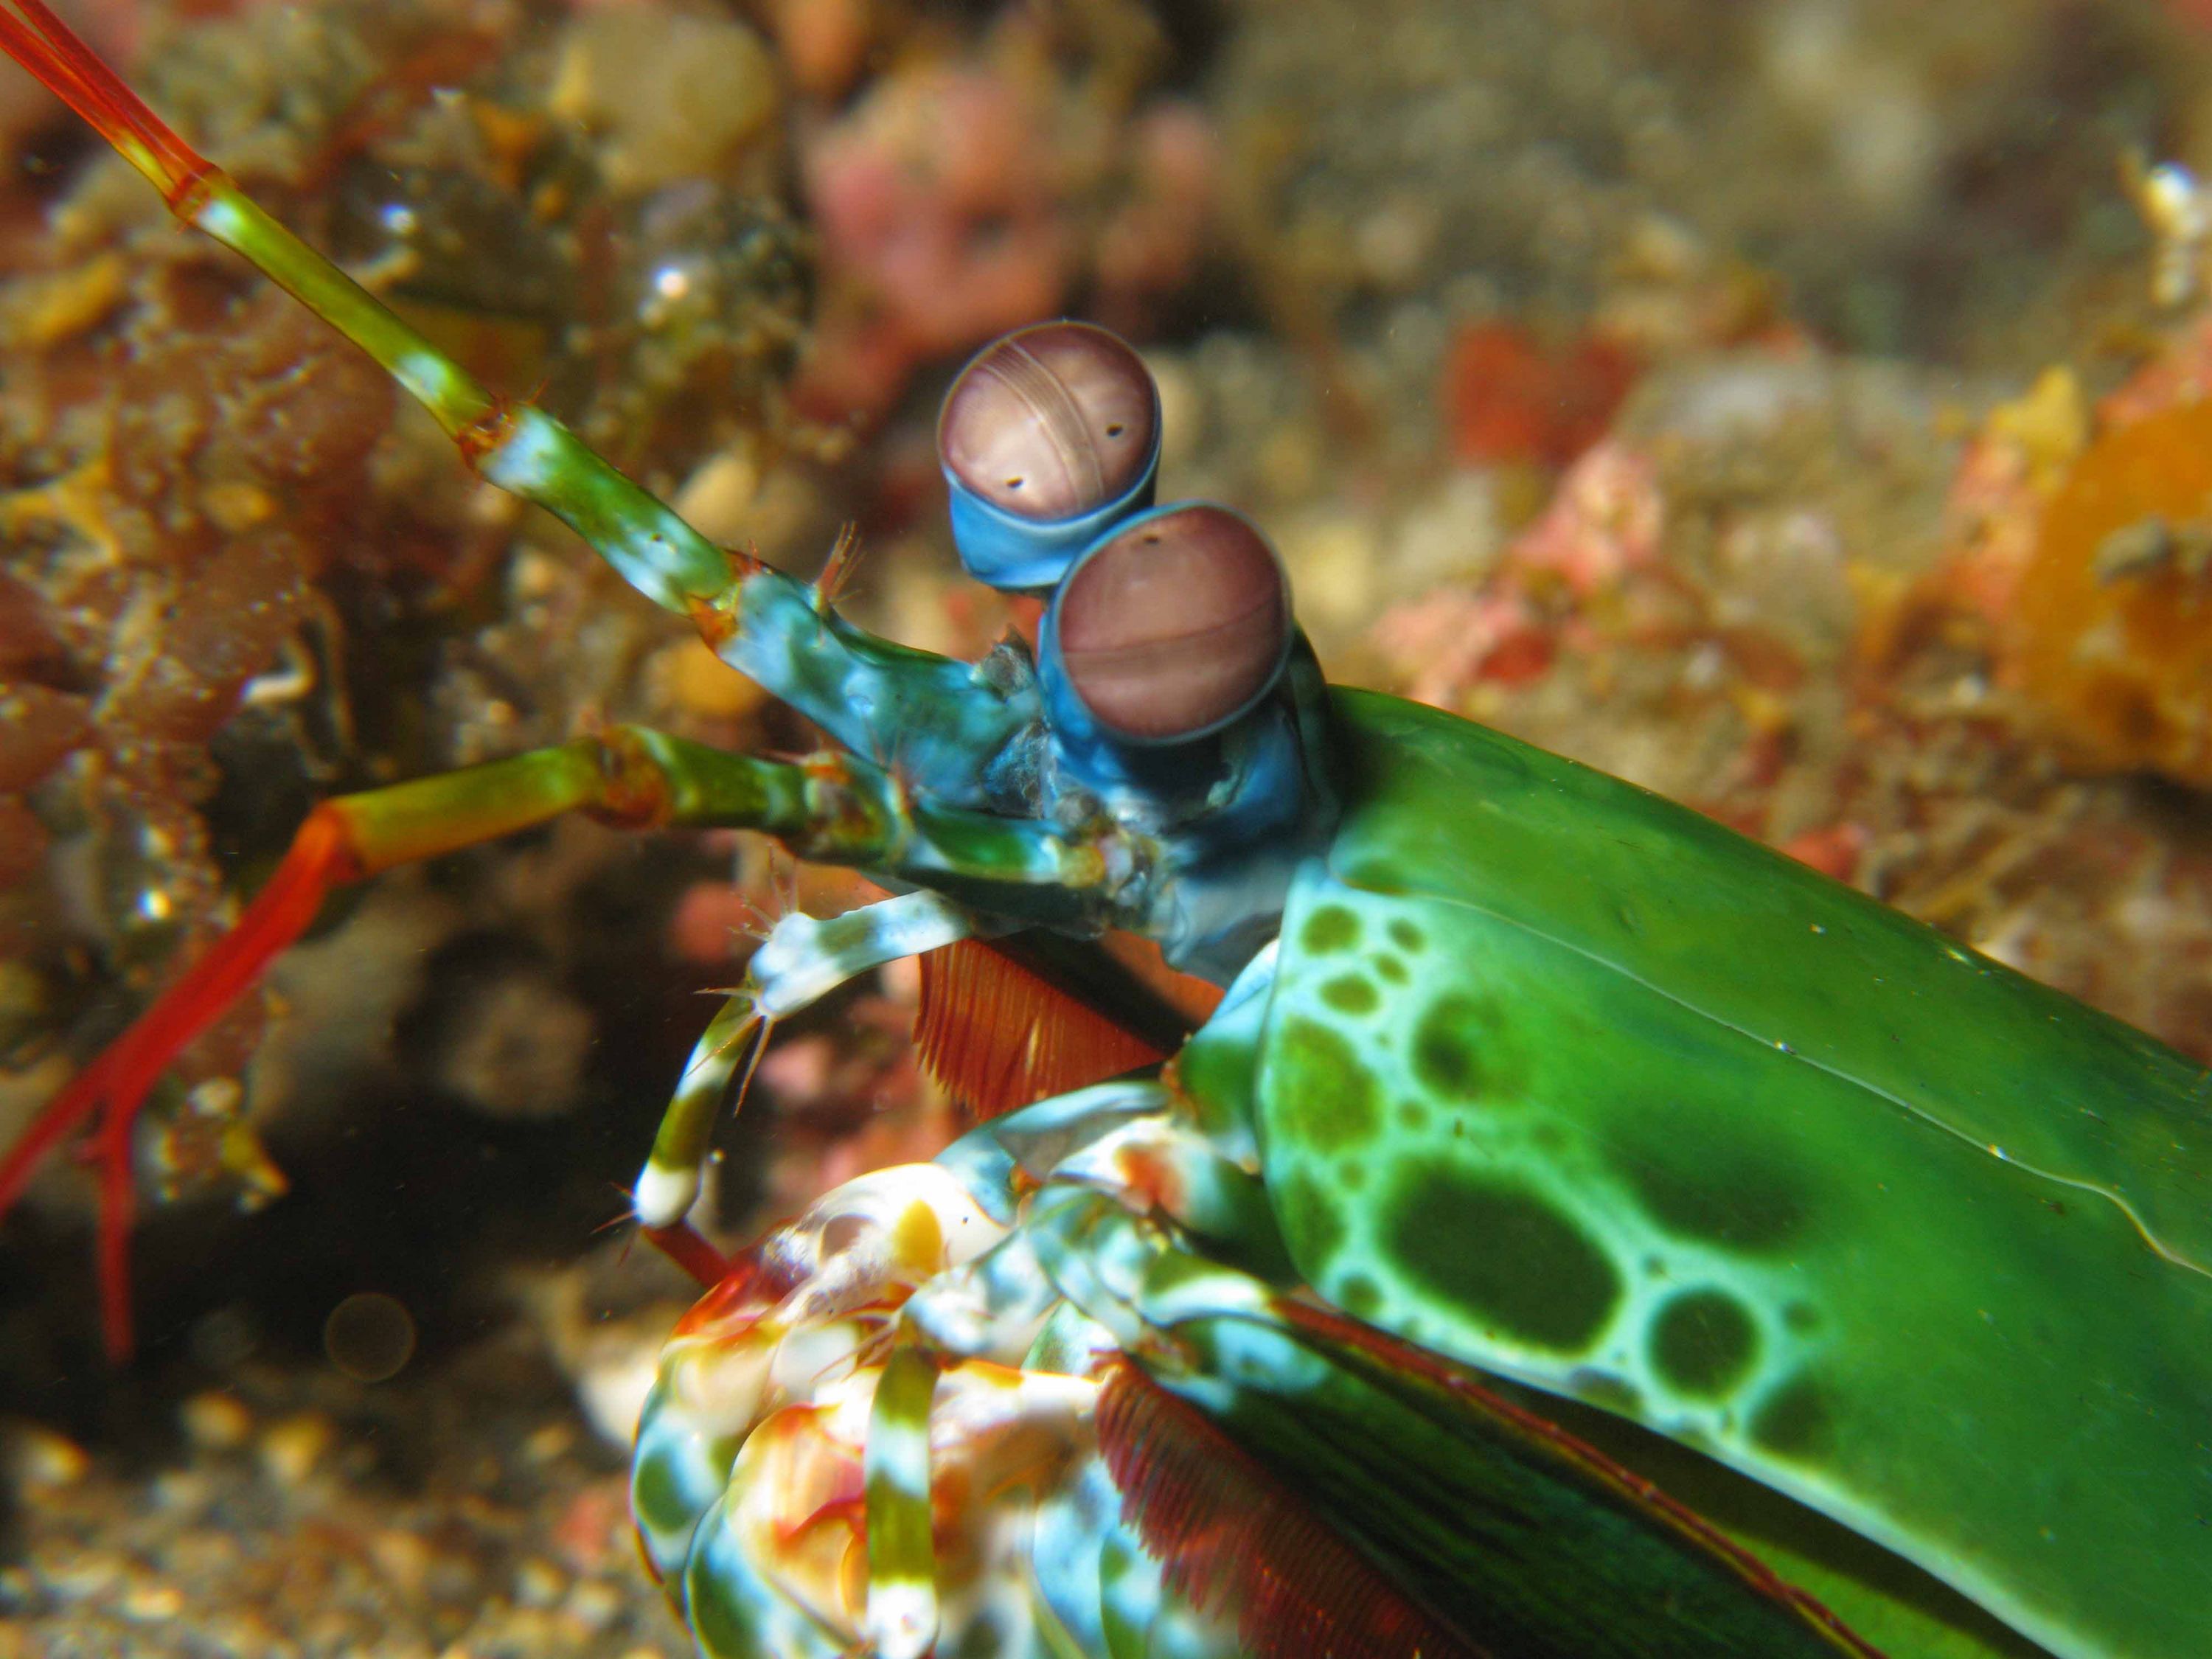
x,y
980,1638
1406,937
1311,1219
1737,1201
1348,993
1504,1255
658,1496
1701,1343
1377,874
1359,1295
1795,1421
718,1613
1413,1115
1351,1174
1801,1317
1330,929
1389,968
1447,1054
1320,1090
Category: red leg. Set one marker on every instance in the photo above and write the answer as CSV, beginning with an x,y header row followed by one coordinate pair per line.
x,y
117,1083
682,1244
340,841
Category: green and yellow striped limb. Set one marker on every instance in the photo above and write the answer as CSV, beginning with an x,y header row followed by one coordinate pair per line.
x,y
801,960
829,811
865,691
901,1621
659,554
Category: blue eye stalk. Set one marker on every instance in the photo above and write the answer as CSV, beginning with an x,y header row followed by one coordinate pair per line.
x,y
1177,689
1049,437
1172,691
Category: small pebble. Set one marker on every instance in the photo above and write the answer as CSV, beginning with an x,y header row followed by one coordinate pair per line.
x,y
670,97
215,1421
594,1604
540,1584
85,1574
717,500
546,1444
41,1459
291,1448
234,507
151,1603
185,1493
403,1559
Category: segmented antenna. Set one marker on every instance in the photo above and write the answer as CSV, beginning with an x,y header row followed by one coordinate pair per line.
x,y
43,44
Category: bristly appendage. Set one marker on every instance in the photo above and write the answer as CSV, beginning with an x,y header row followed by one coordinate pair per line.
x,y
1234,1536
997,1034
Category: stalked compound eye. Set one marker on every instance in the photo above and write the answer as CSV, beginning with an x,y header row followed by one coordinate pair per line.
x,y
1048,438
1174,625
1049,423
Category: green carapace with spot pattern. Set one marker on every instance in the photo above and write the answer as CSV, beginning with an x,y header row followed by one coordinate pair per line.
x,y
1589,1092
1574,1232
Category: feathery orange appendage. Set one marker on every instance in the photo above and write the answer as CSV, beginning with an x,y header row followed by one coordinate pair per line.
x,y
998,1037
43,44
1230,1536
998,1031
116,1084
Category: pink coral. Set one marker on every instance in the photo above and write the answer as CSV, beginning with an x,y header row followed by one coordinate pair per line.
x,y
1602,526
1451,638
1604,522
962,197
938,205
1150,244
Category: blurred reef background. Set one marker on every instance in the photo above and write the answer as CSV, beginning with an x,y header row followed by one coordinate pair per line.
x,y
1800,407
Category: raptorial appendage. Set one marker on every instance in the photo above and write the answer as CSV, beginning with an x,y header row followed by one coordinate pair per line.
x,y
1020,1402
751,1483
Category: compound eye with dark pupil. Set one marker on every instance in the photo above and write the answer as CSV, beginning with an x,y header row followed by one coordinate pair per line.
x,y
1175,624
1051,421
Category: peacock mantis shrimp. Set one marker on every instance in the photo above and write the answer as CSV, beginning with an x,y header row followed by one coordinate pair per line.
x,y
1529,1096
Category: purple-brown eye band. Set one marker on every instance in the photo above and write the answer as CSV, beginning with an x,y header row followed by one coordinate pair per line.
x,y
1175,624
